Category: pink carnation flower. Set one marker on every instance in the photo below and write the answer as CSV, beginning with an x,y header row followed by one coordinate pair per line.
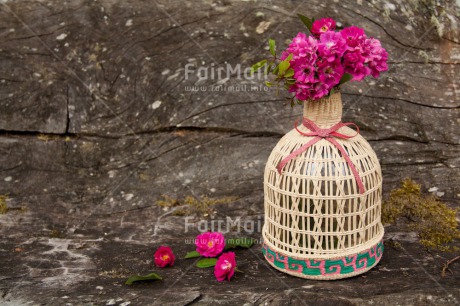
x,y
304,72
330,73
377,57
302,48
225,266
353,63
210,244
319,90
322,26
378,66
301,91
354,37
164,256
284,55
331,46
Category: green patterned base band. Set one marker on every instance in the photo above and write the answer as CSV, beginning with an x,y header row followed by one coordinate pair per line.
x,y
328,269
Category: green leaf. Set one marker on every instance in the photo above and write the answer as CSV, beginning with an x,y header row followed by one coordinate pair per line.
x,y
138,278
269,84
289,81
289,73
269,67
331,92
306,21
244,242
345,78
283,66
258,65
192,254
206,262
272,45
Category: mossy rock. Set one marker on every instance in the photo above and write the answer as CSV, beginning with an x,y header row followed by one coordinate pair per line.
x,y
433,220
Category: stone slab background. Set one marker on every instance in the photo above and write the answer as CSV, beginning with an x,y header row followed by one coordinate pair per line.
x,y
96,124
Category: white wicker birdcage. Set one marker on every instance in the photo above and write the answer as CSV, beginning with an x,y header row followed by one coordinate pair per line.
x,y
322,217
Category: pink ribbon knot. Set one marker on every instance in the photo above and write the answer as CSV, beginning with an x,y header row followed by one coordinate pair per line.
x,y
329,134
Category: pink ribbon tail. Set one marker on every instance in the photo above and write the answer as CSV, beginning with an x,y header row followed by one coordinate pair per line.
x,y
350,164
295,153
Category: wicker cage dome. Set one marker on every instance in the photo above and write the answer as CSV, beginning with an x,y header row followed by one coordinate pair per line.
x,y
317,222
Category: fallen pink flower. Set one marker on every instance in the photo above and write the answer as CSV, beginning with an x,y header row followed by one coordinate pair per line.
x,y
210,244
225,266
164,256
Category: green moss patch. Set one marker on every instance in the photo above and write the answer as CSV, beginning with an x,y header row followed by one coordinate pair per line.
x,y
434,221
3,205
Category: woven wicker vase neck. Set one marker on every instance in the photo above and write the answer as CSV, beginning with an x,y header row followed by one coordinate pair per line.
x,y
324,112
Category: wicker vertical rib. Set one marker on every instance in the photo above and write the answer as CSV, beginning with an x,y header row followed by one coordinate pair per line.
x,y
317,224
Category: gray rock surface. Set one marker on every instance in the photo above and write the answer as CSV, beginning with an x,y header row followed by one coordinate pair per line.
x,y
96,123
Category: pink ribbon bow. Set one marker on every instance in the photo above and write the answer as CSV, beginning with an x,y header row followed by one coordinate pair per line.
x,y
329,135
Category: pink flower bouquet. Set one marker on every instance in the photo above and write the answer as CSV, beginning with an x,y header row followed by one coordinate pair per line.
x,y
314,66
